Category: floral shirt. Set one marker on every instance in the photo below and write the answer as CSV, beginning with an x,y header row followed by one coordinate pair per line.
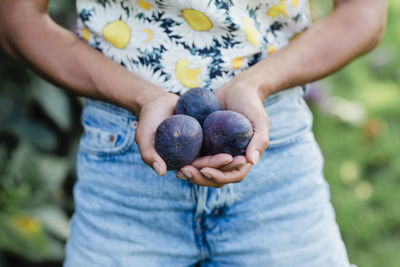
x,y
182,44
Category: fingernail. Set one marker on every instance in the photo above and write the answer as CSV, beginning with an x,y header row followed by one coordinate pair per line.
x,y
157,168
187,174
205,174
256,157
181,176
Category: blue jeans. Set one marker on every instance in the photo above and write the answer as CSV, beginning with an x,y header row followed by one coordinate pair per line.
x,y
126,215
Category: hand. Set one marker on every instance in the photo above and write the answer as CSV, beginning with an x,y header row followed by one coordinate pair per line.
x,y
216,171
243,96
152,113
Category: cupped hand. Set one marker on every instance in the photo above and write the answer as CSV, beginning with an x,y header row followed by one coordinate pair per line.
x,y
240,95
152,113
215,171
243,96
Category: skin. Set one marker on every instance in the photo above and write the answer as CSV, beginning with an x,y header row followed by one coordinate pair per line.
x,y
353,28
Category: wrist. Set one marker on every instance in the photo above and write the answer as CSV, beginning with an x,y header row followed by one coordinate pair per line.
x,y
141,95
266,78
262,81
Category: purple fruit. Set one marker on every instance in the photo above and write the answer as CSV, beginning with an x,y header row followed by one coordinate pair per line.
x,y
226,132
198,103
178,140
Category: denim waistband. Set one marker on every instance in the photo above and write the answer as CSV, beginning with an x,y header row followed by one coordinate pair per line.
x,y
109,107
289,115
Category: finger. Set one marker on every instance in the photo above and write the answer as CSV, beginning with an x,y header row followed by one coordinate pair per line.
x,y
220,177
214,161
145,140
237,162
193,175
259,141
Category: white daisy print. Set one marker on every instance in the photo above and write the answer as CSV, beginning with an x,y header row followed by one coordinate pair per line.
x,y
219,81
112,25
147,7
247,31
250,4
299,19
281,10
182,38
147,72
272,45
185,70
277,10
263,19
101,15
198,22
237,58
148,35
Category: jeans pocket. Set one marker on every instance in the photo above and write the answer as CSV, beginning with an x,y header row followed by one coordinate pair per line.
x,y
106,133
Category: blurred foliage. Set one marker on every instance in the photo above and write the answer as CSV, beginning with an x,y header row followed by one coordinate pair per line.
x,y
357,124
39,129
362,157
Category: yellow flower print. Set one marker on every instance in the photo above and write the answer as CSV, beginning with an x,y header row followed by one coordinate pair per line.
x,y
147,35
185,70
237,58
150,35
199,23
187,76
197,19
237,63
271,49
247,28
117,33
147,7
177,56
279,8
144,4
250,32
85,34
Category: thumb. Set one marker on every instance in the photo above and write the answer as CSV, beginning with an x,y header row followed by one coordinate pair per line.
x,y
145,140
260,139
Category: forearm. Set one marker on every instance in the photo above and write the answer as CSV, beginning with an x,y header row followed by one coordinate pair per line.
x,y
62,58
353,28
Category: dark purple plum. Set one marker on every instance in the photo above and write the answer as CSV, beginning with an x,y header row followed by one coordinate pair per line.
x,y
198,103
178,140
226,132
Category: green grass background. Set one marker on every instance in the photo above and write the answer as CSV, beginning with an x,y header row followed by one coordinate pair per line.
x,y
362,162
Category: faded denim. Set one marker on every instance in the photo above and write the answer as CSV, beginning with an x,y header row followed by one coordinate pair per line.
x,y
126,215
